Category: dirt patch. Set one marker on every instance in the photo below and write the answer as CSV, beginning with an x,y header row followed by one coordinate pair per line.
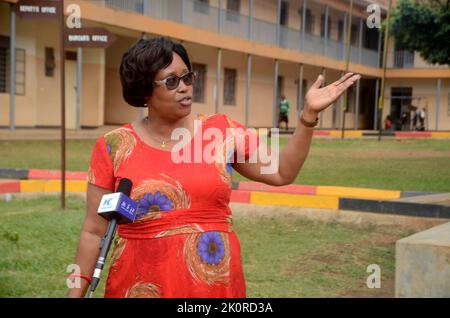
x,y
387,290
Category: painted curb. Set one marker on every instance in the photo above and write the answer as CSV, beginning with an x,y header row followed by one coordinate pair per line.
x,y
9,186
395,207
37,174
15,174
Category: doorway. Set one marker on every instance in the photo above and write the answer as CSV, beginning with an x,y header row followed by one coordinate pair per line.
x,y
400,105
71,90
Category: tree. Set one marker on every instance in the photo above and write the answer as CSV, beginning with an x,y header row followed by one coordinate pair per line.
x,y
423,26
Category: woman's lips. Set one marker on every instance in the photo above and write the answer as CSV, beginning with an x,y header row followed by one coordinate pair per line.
x,y
187,101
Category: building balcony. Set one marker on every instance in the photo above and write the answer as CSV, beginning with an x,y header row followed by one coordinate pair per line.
x,y
204,16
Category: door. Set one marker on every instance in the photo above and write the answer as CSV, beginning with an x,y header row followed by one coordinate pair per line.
x,y
71,93
400,103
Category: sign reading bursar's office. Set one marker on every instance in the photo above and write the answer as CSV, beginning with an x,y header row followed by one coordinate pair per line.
x,y
38,9
88,38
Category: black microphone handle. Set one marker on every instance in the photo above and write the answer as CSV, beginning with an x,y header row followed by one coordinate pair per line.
x,y
104,249
124,187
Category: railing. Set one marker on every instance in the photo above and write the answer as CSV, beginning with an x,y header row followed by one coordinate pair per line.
x,y
263,31
205,16
403,59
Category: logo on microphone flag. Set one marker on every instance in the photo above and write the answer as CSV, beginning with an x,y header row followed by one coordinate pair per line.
x,y
119,203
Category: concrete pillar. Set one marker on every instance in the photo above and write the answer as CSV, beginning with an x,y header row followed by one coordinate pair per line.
x,y
247,91
438,102
275,95
218,74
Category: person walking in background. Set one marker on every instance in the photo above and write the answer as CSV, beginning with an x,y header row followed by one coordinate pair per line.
x,y
421,116
284,112
388,123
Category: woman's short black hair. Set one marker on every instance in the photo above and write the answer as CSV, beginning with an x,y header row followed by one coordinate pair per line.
x,y
141,63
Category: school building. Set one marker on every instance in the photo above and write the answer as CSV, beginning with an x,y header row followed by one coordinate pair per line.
x,y
247,53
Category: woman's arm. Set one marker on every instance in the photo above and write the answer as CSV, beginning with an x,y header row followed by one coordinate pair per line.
x,y
293,156
92,232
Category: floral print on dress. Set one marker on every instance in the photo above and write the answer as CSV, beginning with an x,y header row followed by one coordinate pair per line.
x,y
184,229
223,158
120,144
143,290
207,257
159,194
211,248
118,250
154,203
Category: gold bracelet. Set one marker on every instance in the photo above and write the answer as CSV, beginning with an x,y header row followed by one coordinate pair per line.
x,y
308,123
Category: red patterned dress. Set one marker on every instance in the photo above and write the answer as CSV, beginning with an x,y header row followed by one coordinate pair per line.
x,y
182,243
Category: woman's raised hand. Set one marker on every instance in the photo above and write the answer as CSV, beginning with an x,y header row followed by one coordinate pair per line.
x,y
317,98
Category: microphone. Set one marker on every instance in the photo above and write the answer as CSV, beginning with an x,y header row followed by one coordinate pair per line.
x,y
117,208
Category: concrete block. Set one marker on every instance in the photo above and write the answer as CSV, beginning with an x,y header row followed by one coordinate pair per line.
x,y
422,264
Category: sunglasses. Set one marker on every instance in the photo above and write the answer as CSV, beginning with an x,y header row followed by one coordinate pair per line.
x,y
173,81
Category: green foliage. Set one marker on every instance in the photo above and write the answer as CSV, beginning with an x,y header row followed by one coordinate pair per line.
x,y
423,27
12,237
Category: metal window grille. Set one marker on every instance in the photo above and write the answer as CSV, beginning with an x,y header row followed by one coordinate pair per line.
x,y
229,89
200,82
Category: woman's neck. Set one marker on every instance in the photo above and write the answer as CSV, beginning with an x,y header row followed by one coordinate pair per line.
x,y
163,127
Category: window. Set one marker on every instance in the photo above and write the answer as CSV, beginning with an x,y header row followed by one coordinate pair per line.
x,y
233,9
49,61
309,20
229,87
354,36
200,81
370,38
201,6
4,61
340,30
133,6
284,13
20,71
5,67
322,26
403,58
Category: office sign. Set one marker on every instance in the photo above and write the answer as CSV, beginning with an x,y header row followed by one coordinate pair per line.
x,y
38,9
88,38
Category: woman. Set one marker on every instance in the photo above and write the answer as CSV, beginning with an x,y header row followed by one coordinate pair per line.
x,y
182,243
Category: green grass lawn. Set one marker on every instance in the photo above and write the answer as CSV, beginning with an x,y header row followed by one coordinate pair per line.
x,y
406,165
283,256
